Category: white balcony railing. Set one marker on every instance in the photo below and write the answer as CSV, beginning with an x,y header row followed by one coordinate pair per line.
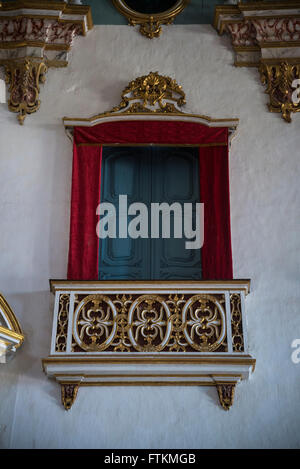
x,y
149,333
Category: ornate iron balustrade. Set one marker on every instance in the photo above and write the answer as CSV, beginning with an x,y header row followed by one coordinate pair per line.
x,y
149,333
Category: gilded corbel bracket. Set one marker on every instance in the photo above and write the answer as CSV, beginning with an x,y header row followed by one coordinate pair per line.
x,y
266,35
24,78
68,394
226,394
150,24
34,36
279,79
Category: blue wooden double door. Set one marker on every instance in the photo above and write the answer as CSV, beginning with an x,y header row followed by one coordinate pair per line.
x,y
149,174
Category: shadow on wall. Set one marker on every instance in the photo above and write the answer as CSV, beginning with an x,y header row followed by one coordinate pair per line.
x,y
36,323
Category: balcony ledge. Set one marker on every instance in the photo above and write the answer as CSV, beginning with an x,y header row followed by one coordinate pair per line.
x,y
172,333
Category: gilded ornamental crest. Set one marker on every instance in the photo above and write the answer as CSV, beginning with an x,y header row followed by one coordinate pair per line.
x,y
152,93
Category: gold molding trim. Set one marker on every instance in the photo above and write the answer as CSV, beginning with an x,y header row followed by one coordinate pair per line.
x,y
195,145
261,5
151,96
93,120
10,317
150,24
150,359
127,285
11,334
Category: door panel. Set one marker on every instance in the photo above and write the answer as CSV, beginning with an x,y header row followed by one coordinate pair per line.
x,y
176,180
125,171
149,174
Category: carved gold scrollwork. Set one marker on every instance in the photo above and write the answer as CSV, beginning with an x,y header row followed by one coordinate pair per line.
x,y
95,322
226,394
68,394
205,323
62,323
151,93
147,323
24,78
278,79
177,342
150,29
236,323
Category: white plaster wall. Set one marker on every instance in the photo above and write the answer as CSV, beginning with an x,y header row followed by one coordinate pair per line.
x,y
35,177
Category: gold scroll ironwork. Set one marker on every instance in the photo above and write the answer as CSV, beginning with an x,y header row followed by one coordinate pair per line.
x,y
236,323
62,323
150,323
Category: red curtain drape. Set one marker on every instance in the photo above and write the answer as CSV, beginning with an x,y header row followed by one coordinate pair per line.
x,y
214,188
84,243
216,254
150,132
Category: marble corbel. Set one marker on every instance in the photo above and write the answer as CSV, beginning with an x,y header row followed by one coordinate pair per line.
x,y
266,35
34,36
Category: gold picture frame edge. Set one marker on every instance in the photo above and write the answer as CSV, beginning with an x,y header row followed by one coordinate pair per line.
x,y
131,14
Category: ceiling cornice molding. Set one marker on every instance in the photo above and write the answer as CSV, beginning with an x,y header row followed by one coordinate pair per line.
x,y
266,35
34,36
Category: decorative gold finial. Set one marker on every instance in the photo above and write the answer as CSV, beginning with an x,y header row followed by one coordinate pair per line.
x,y
151,93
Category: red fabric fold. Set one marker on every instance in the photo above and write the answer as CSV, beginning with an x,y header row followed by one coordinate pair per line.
x,y
214,192
151,132
84,243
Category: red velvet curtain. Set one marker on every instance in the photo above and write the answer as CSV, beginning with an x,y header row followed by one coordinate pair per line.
x,y
216,254
84,243
214,187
